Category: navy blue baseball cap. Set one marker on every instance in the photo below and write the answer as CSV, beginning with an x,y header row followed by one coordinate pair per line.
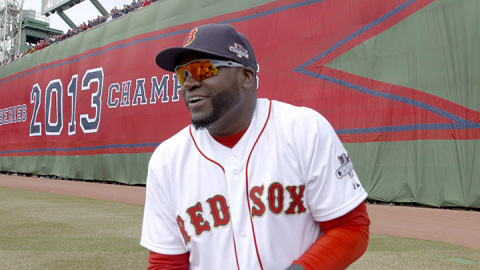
x,y
221,41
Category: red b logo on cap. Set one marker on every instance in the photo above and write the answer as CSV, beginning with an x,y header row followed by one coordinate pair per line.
x,y
190,37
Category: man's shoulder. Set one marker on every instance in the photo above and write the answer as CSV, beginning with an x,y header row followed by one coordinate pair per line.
x,y
181,138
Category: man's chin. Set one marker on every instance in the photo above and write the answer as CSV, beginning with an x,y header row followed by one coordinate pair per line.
x,y
204,123
198,126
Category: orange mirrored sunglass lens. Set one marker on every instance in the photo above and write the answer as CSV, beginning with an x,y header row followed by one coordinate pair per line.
x,y
199,70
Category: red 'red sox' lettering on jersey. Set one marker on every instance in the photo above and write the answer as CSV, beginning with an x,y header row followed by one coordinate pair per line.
x,y
219,209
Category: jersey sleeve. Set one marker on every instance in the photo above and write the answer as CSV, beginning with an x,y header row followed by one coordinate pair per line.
x,y
332,186
160,231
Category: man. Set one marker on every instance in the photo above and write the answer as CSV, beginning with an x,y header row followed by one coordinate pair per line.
x,y
252,183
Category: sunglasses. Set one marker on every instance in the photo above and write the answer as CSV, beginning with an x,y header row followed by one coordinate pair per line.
x,y
202,69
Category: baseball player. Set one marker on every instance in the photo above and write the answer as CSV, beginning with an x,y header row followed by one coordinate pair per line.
x,y
252,183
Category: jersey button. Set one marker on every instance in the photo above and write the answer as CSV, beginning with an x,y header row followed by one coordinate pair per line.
x,y
233,158
243,234
236,177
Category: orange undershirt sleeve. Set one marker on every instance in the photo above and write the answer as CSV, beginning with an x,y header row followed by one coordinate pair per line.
x,y
344,240
168,262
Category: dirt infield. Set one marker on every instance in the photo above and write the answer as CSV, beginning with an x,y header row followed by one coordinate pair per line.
x,y
453,226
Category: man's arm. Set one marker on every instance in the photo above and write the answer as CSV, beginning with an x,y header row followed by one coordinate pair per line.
x,y
168,262
344,240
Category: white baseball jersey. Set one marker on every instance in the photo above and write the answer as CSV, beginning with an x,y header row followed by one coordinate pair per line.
x,y
255,206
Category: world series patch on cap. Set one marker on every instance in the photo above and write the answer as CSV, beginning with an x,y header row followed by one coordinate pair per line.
x,y
220,41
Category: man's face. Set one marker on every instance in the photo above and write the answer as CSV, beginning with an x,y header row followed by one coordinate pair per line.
x,y
220,103
213,98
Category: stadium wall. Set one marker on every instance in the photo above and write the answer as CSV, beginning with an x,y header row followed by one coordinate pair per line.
x,y
397,80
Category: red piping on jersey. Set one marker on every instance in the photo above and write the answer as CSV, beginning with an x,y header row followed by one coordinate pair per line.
x,y
221,167
246,182
246,177
235,248
200,151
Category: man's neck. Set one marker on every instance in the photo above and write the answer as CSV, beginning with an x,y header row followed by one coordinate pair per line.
x,y
222,129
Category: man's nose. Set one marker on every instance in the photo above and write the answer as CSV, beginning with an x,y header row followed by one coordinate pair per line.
x,y
190,82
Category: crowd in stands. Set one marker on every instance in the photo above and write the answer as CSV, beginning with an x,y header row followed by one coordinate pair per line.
x,y
114,14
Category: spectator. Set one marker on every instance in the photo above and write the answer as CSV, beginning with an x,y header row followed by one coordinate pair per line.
x,y
114,14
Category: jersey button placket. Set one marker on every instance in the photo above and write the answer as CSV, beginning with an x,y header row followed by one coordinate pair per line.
x,y
235,174
238,207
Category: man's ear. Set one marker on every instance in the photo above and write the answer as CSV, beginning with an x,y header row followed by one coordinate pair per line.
x,y
248,77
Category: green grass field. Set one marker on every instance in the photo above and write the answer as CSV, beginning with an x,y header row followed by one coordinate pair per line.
x,y
45,231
